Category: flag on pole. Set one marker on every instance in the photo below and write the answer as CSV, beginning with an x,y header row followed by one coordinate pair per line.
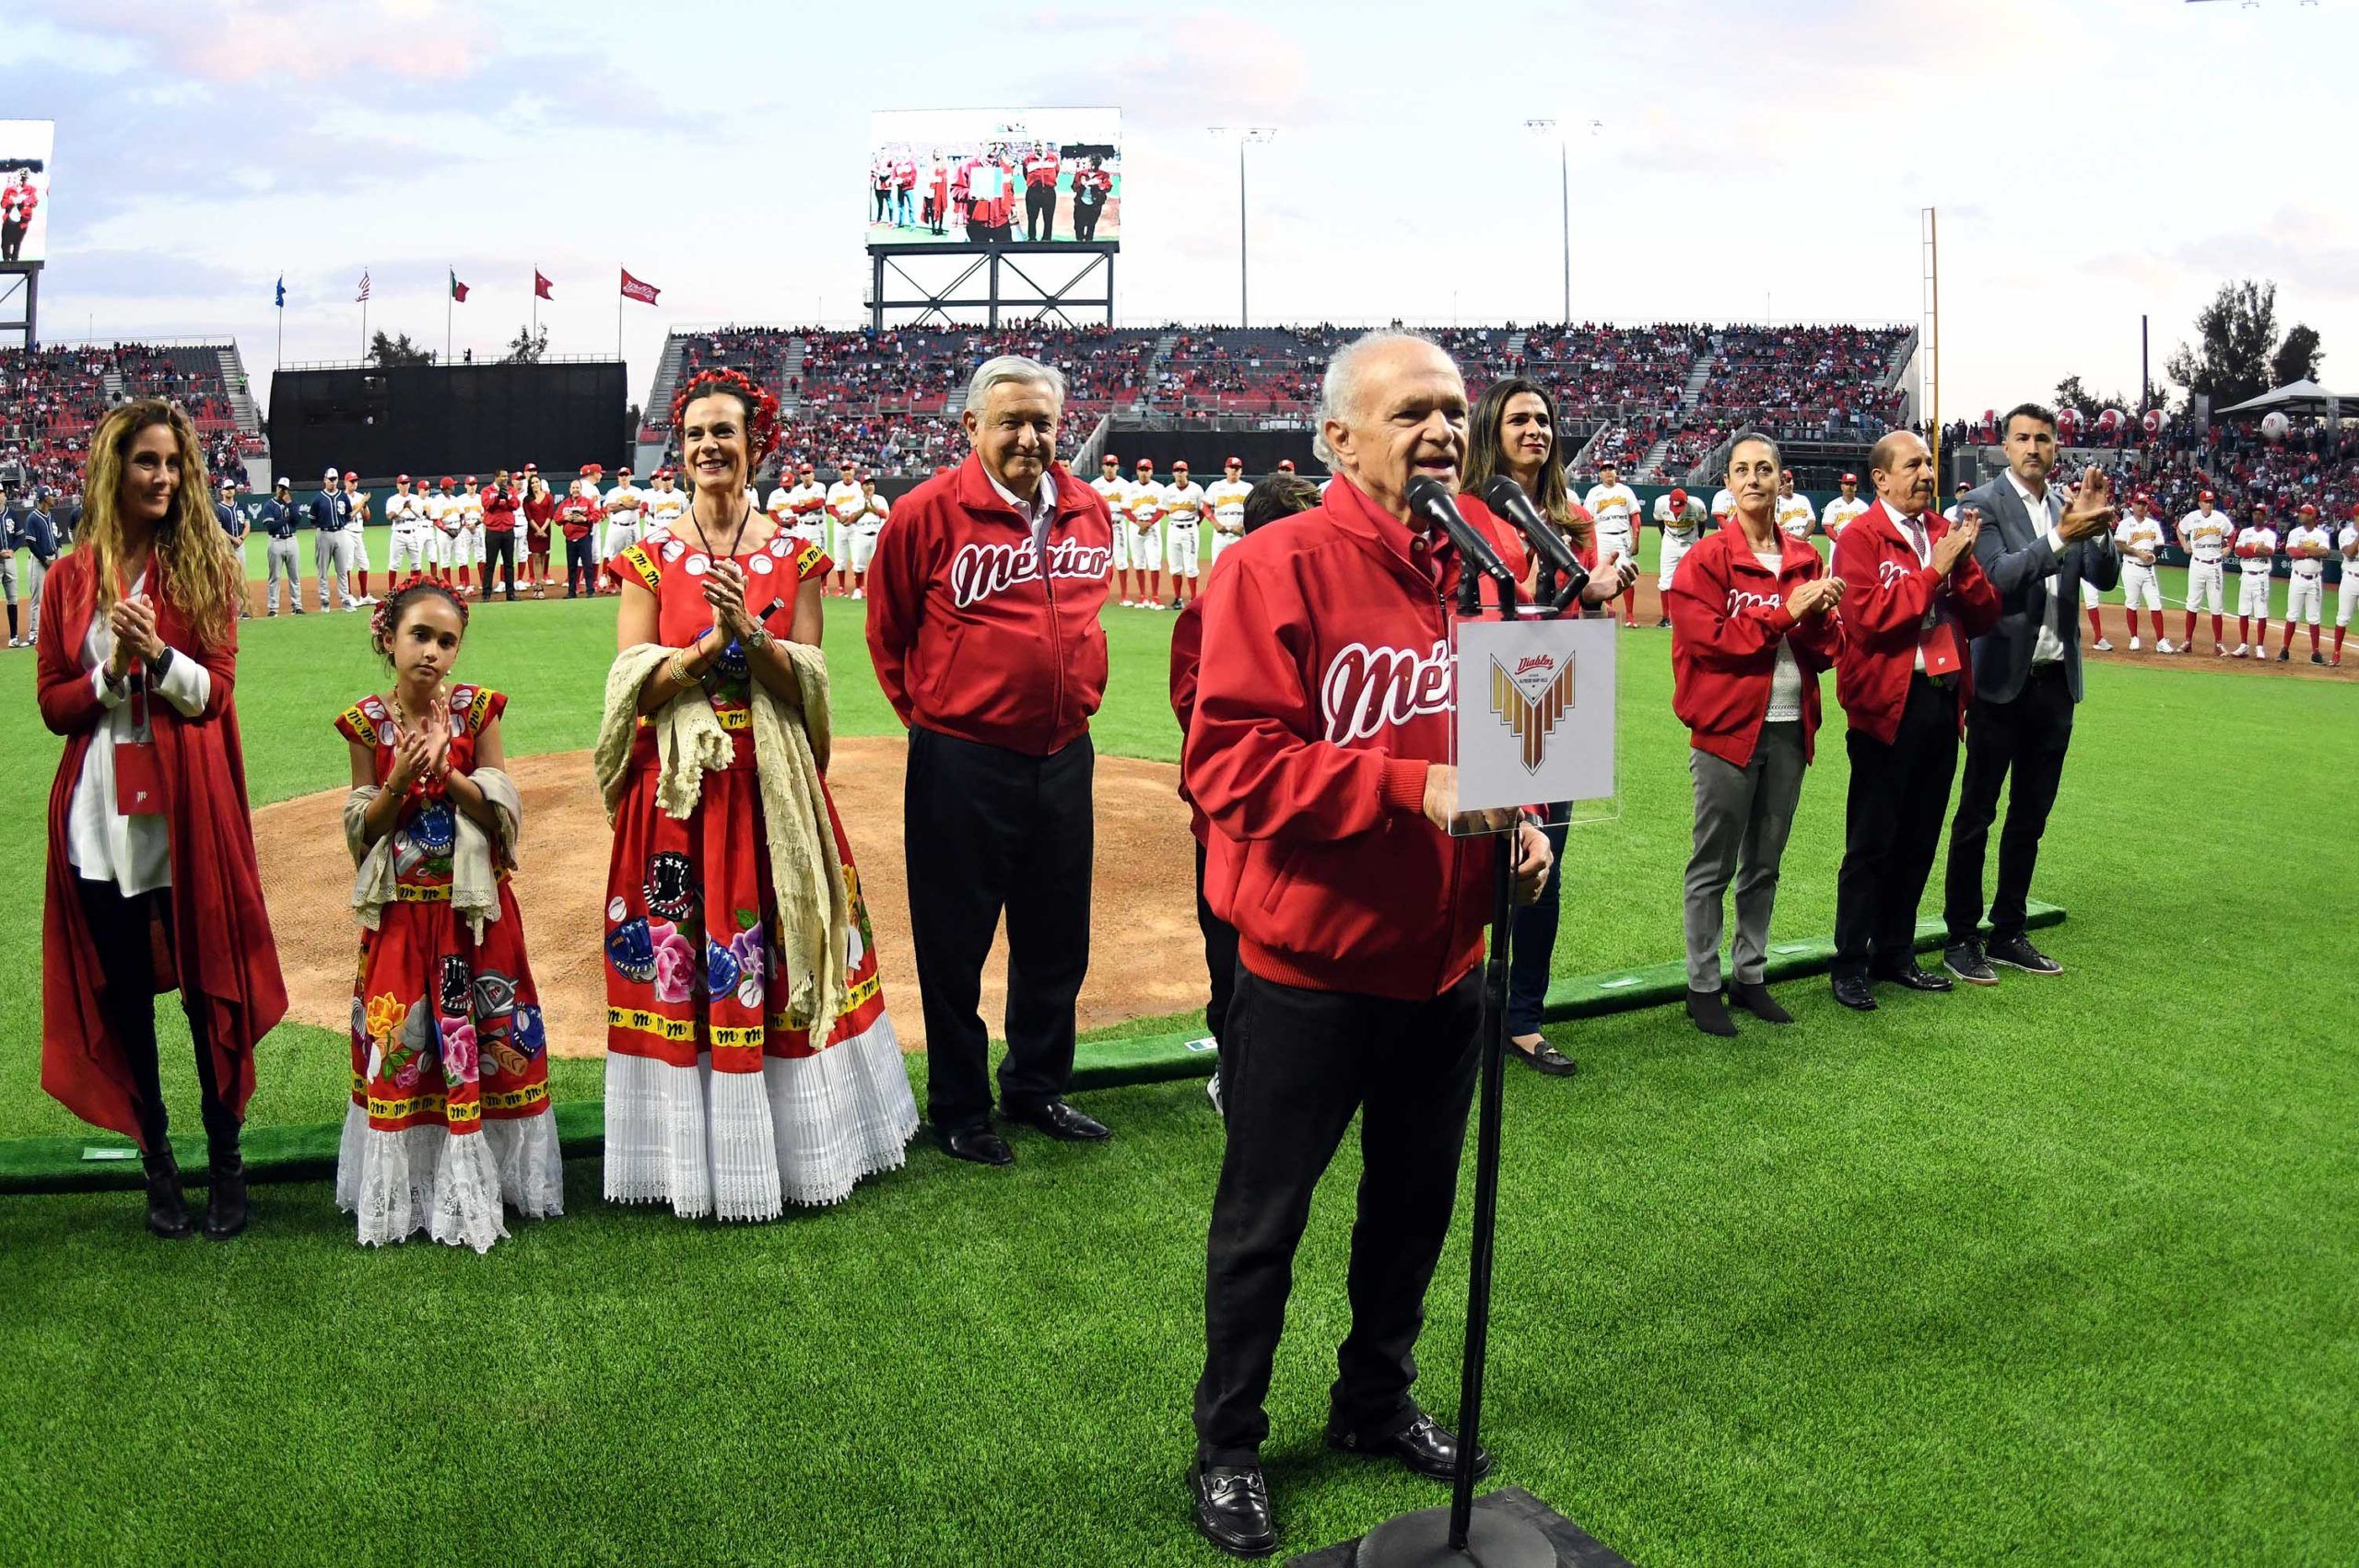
x,y
458,289
634,290
281,301
364,290
541,285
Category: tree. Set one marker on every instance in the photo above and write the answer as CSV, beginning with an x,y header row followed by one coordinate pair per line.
x,y
527,347
2297,357
388,352
2238,336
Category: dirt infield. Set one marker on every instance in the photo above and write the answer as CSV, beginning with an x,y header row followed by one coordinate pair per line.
x,y
1148,958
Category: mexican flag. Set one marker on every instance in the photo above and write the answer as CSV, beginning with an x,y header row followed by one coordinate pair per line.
x,y
458,289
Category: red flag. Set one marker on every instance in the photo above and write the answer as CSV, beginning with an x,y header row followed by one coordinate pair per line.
x,y
634,290
458,289
541,285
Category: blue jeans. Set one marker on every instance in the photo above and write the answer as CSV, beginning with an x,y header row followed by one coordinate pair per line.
x,y
1533,947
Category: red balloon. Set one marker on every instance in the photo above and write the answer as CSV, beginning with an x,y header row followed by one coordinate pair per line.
x,y
2153,422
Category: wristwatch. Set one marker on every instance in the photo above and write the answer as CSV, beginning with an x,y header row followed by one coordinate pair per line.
x,y
759,639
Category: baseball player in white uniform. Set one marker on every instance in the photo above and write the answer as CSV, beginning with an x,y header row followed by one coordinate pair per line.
x,y
2346,598
846,506
2140,537
1843,508
2256,556
1681,521
1613,509
354,542
1142,507
1115,491
1723,505
2308,546
874,509
780,505
1796,516
1183,527
1225,496
1958,500
466,536
626,506
404,512
442,515
2206,534
667,504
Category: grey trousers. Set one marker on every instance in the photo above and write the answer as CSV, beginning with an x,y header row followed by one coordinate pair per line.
x,y
283,555
1742,815
34,574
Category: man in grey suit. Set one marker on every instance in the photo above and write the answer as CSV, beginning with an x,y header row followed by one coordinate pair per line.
x,y
2037,546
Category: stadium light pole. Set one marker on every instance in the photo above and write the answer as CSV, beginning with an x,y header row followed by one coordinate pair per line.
x,y
1565,192
1245,137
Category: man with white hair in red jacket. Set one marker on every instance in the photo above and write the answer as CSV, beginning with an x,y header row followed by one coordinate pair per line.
x,y
1318,749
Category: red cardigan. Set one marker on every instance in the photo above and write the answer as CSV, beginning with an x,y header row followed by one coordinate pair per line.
x,y
222,956
1728,616
1886,592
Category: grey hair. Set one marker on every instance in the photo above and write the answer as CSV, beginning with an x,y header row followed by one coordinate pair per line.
x,y
1011,369
1755,437
1339,389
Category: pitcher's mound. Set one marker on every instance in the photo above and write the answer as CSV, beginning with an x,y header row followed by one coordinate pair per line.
x,y
1146,956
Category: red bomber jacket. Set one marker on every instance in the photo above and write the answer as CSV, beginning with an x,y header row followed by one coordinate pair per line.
x,y
1322,700
1886,594
973,632
1728,616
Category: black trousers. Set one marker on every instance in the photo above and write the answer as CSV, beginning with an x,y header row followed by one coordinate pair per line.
x,y
1531,950
988,829
1039,212
124,932
499,558
1892,826
12,240
1295,1066
1084,221
2029,736
578,562
1220,958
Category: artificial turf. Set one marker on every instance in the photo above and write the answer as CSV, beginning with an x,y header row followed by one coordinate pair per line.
x,y
2058,1272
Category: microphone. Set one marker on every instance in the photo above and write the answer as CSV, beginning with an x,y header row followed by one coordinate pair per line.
x,y
1431,498
1508,499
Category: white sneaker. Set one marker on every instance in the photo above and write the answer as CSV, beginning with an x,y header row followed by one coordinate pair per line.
x,y
2102,646
2240,651
1130,603
1212,1091
2133,645
2161,644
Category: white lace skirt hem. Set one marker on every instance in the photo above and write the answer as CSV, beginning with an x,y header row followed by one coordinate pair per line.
x,y
449,1185
806,1131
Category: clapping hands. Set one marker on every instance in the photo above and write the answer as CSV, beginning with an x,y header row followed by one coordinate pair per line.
x,y
133,622
1816,597
2090,513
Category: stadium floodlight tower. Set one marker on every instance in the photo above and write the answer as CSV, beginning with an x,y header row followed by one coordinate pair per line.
x,y
1554,130
1244,137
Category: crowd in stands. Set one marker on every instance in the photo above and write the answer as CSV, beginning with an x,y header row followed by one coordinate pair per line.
x,y
2314,465
51,399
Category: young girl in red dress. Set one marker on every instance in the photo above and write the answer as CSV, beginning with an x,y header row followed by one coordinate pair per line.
x,y
715,1102
450,1071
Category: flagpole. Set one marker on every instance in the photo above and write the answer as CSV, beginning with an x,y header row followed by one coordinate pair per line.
x,y
449,295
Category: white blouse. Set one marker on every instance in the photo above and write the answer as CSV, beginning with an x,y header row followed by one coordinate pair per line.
x,y
1786,680
132,852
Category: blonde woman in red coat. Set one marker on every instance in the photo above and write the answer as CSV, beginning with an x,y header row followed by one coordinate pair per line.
x,y
152,884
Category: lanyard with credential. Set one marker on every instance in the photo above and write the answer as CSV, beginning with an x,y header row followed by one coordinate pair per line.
x,y
138,779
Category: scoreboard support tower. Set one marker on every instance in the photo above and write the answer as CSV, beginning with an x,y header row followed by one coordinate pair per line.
x,y
1005,286
21,322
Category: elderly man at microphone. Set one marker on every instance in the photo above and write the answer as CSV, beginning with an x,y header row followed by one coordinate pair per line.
x,y
1319,751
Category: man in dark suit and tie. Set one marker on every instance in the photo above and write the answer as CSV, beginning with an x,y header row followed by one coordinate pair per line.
x,y
2037,546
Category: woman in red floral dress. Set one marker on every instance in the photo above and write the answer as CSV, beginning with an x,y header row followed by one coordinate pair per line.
x,y
716,1103
450,1072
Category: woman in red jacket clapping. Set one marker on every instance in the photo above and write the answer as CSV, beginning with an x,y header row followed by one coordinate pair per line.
x,y
152,882
1752,623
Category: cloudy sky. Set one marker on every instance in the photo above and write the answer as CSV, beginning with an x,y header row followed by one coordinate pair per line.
x,y
2090,160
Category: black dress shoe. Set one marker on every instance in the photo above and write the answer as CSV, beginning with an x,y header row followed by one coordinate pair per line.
x,y
167,1208
1060,1122
1707,1013
1854,993
1755,998
1964,960
1545,1058
980,1144
2017,953
1424,1447
225,1200
1909,977
1233,1509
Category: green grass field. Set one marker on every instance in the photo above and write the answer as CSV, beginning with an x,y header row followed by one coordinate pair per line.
x,y
2062,1273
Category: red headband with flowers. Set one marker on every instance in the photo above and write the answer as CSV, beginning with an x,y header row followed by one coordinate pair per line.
x,y
762,421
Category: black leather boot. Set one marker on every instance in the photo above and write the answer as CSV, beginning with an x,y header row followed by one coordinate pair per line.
x,y
167,1210
225,1207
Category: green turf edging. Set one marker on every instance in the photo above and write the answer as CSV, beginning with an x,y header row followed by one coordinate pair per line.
x,y
307,1151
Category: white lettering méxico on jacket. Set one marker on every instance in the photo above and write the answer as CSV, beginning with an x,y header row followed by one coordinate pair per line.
x,y
978,571
1369,689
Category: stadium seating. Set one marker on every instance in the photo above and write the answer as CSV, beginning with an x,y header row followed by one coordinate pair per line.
x,y
51,399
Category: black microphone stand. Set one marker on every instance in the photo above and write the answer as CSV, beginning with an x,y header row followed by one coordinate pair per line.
x,y
1454,1537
